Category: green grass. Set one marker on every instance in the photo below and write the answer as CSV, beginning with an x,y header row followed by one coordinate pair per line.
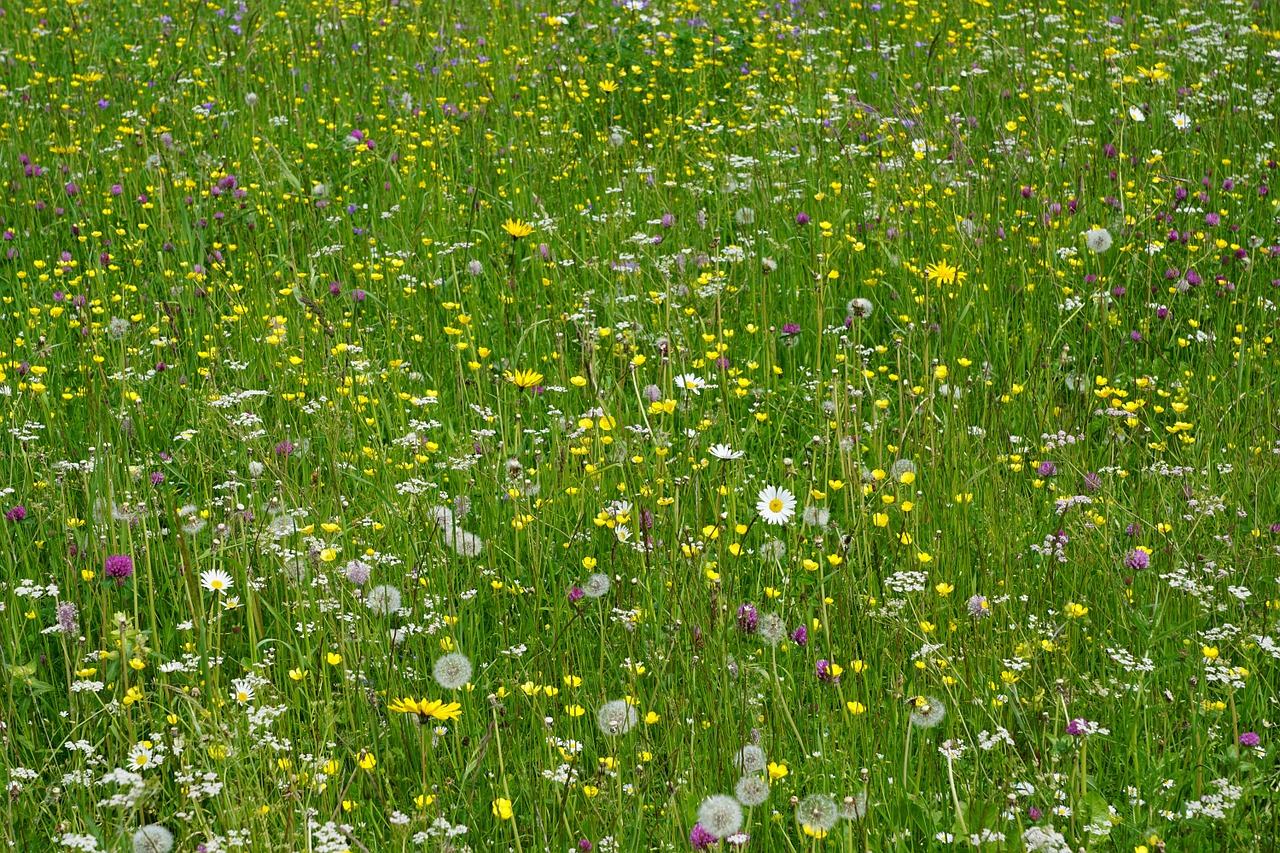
x,y
262,321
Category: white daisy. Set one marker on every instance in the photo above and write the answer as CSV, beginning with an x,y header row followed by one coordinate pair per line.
x,y
690,382
1181,121
725,452
1136,114
775,505
215,580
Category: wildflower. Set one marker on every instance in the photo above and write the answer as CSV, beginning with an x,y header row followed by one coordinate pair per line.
x,y
215,580
152,838
776,771
859,308
943,272
502,809
525,379
1137,559
425,710
68,618
817,814
926,711
720,815
747,619
616,717
854,807
242,691
750,759
118,567
1250,739
358,572
1098,240
452,671
800,636
517,228
383,599
16,513
724,452
775,505
979,607
690,382
597,586
752,790
700,839
771,628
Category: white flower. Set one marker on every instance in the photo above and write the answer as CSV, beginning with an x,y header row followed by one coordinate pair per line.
x,y
725,452
241,691
143,756
750,759
1135,113
215,580
1181,121
690,382
775,505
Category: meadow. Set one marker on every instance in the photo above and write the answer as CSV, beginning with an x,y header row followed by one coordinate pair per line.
x,y
643,425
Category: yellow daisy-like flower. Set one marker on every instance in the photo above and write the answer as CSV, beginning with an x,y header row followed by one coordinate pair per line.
x,y
427,709
524,379
517,228
943,273
608,86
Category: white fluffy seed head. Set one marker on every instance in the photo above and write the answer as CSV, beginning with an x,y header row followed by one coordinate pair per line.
x,y
720,815
383,599
616,717
596,586
750,759
152,838
817,812
453,671
752,790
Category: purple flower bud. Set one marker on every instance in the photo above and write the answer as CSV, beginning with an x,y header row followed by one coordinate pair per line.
x,y
800,636
118,567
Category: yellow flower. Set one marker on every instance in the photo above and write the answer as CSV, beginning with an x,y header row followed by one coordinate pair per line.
x,y
944,589
856,708
333,658
1210,652
943,273
366,761
524,379
1075,611
777,771
608,86
502,809
427,709
517,228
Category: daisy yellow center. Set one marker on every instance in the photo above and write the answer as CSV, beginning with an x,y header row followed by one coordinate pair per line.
x,y
216,584
775,505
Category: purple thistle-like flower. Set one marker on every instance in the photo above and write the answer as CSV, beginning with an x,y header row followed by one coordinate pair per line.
x,y
584,845
700,839
1250,739
17,513
1077,727
1034,813
576,594
747,619
68,618
1092,482
1047,469
800,636
157,477
791,329
284,448
825,673
978,607
1137,559
802,218
118,567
